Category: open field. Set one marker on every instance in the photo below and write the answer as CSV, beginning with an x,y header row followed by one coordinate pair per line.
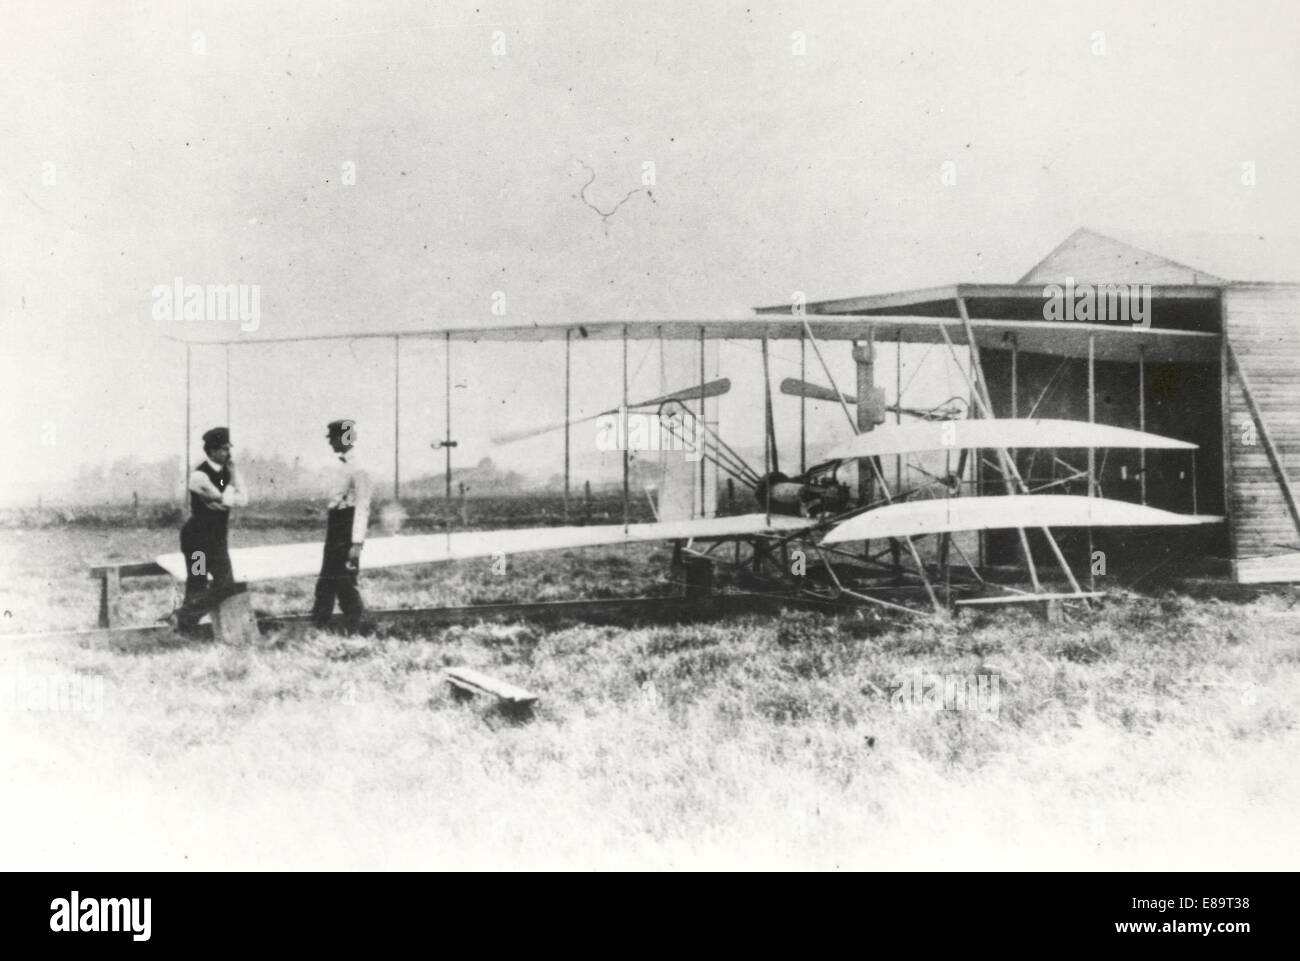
x,y
1154,732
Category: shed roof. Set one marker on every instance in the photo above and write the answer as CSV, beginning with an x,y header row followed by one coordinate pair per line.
x,y
1164,257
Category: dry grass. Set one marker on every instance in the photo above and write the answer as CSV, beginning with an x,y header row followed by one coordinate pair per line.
x,y
1153,733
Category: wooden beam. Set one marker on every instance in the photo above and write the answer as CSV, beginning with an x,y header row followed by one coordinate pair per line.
x,y
604,610
1225,423
1027,598
397,418
1194,502
143,569
118,638
110,598
1142,421
1015,381
767,438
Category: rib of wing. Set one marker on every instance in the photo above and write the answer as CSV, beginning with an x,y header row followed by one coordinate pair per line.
x,y
679,487
301,560
684,485
890,439
948,515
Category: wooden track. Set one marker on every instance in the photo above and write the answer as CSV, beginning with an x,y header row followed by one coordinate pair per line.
x,y
605,610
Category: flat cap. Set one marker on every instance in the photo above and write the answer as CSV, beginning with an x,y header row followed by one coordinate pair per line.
x,y
216,437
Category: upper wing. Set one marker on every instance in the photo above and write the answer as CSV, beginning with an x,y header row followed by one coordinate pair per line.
x,y
301,560
1068,338
890,439
946,515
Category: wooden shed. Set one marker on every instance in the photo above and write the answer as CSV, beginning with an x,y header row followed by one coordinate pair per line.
x,y
1215,360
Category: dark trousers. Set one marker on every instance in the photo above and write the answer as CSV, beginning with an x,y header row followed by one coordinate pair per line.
x,y
205,550
336,579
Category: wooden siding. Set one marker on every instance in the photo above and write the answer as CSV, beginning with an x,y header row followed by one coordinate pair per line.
x,y
1262,323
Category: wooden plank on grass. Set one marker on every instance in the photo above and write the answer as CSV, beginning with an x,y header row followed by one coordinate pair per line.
x,y
476,682
233,621
1276,569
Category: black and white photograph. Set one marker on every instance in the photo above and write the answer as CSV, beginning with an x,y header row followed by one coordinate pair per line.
x,y
704,436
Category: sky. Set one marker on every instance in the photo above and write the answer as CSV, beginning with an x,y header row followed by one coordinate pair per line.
x,y
387,165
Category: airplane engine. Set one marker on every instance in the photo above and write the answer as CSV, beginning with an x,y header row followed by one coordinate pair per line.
x,y
808,495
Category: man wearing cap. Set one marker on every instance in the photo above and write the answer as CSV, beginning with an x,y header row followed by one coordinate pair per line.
x,y
214,488
345,532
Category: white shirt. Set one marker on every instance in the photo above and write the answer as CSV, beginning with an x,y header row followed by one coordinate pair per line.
x,y
352,488
235,494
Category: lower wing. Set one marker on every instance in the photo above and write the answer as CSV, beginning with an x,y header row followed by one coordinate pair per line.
x,y
301,560
948,515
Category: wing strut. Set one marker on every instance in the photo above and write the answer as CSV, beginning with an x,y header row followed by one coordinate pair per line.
x,y
768,432
627,464
884,486
767,403
986,405
803,406
704,498
986,408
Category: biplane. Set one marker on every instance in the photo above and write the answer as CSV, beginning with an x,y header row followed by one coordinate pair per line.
x,y
836,532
